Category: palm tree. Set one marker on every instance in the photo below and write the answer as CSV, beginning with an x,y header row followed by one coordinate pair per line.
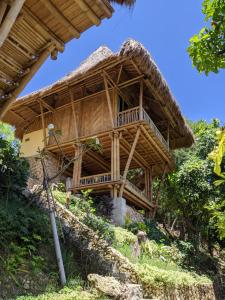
x,y
128,3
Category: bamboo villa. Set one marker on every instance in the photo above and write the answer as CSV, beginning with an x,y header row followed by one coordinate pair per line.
x,y
123,100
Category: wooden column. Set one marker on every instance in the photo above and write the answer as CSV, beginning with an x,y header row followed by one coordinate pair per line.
x,y
115,157
74,112
77,167
148,183
109,102
168,135
141,99
43,125
10,19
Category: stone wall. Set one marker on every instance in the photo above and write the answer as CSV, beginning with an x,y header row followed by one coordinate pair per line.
x,y
98,257
36,172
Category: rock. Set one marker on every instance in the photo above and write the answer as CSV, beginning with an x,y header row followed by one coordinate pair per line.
x,y
113,288
107,285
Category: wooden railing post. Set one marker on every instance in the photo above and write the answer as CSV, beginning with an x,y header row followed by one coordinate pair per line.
x,y
115,156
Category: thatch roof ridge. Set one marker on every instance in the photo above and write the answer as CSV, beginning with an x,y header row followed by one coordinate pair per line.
x,y
96,57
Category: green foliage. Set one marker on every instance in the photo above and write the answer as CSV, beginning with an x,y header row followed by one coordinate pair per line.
x,y
150,227
13,171
73,290
189,189
163,252
168,276
84,209
7,133
207,49
218,209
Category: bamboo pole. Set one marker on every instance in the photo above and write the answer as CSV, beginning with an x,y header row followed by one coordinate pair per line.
x,y
88,11
74,112
141,99
43,30
108,100
129,161
77,166
44,55
10,20
43,125
60,17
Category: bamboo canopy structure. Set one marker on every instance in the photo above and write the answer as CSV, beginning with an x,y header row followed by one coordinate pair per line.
x,y
31,30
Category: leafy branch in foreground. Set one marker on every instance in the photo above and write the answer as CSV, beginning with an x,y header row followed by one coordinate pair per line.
x,y
207,49
218,209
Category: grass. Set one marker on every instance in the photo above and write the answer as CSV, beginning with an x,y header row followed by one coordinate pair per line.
x,y
158,264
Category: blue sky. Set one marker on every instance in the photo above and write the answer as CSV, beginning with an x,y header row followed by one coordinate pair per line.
x,y
164,27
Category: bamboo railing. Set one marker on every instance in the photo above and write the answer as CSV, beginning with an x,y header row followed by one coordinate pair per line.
x,y
95,179
136,114
106,178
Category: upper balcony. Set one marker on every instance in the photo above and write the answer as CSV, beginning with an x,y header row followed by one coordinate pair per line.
x,y
136,115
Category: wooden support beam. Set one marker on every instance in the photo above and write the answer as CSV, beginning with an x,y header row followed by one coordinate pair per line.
x,y
115,156
22,50
43,56
77,167
10,19
74,112
129,161
99,160
31,110
168,135
88,11
137,157
119,74
131,81
43,125
46,105
159,151
108,100
16,115
41,28
114,85
141,99
60,17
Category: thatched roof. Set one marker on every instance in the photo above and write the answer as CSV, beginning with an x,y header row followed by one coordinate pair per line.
x,y
134,50
128,3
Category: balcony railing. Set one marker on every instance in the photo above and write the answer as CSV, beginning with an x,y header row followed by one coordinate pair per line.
x,y
134,189
95,179
136,114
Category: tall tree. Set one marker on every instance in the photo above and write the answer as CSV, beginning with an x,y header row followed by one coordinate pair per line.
x,y
189,190
207,49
